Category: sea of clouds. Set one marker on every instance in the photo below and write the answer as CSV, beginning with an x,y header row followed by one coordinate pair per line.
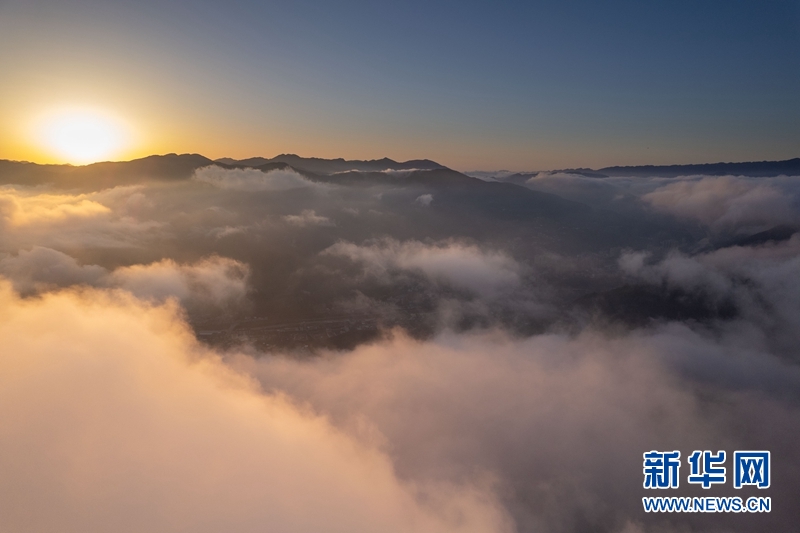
x,y
114,417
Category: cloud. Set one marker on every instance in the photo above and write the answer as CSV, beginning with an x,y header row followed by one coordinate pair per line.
x,y
390,171
107,218
113,418
21,209
249,179
760,281
214,282
560,422
725,202
579,188
308,217
403,172
41,269
489,175
424,199
460,265
226,231
109,408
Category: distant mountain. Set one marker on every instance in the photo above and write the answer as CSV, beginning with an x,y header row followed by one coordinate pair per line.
x,y
790,167
494,207
765,169
521,178
331,166
490,175
175,167
170,167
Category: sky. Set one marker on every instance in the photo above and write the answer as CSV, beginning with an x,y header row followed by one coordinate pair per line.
x,y
472,85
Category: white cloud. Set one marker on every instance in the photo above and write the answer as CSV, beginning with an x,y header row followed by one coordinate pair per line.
x,y
213,282
308,217
216,281
112,418
461,265
18,208
225,231
760,281
559,421
250,179
107,218
424,199
725,202
40,269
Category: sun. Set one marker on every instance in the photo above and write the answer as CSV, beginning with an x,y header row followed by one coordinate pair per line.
x,y
82,136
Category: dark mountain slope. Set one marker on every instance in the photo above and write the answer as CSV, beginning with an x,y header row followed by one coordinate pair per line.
x,y
790,167
170,167
331,166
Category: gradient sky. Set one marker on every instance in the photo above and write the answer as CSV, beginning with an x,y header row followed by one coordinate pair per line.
x,y
473,85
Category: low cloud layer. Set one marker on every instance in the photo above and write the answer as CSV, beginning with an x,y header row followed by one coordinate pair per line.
x,y
308,217
725,202
22,209
215,282
460,265
761,282
120,217
731,204
113,418
495,359
424,199
559,423
249,179
41,269
117,407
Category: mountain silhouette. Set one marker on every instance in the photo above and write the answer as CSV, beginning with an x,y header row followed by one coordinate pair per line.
x,y
332,166
169,167
789,167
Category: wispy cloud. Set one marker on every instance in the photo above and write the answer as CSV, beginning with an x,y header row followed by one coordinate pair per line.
x,y
461,265
308,217
249,179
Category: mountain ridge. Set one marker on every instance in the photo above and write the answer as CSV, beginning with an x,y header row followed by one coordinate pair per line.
x,y
320,165
755,169
172,167
746,168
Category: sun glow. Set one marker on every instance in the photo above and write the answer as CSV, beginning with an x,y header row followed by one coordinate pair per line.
x,y
82,136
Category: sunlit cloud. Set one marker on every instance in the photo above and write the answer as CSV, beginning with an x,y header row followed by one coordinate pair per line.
x,y
308,217
108,218
461,265
556,419
113,416
214,283
21,209
249,179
